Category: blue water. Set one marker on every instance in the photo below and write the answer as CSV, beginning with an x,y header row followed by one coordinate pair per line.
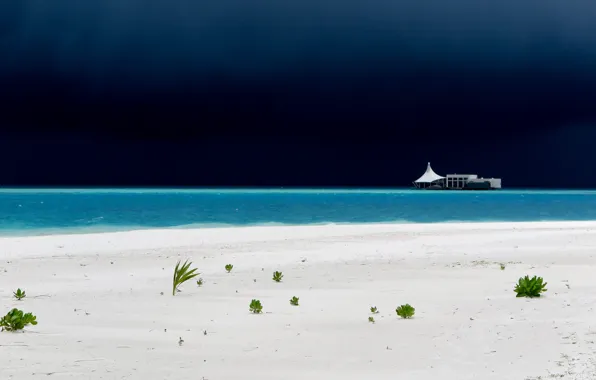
x,y
34,212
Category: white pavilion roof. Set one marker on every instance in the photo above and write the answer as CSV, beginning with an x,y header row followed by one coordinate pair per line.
x,y
428,176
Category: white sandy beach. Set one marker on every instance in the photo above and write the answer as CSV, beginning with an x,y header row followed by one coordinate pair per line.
x,y
101,313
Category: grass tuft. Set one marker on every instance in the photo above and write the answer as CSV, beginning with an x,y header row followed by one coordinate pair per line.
x,y
277,276
405,311
17,320
255,307
19,294
530,287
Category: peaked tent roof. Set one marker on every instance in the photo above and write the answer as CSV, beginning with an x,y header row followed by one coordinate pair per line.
x,y
428,176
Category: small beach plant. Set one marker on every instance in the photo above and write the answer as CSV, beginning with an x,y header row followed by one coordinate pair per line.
x,y
502,266
19,294
530,287
294,301
405,311
277,276
229,267
256,307
182,274
374,310
200,282
371,319
17,320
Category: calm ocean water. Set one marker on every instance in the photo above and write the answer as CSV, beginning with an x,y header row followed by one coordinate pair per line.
x,y
34,212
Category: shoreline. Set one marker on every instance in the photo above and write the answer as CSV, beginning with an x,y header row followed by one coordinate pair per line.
x,y
77,231
104,305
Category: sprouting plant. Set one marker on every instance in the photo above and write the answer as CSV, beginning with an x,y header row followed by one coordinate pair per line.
x,y
374,310
200,282
19,294
229,267
277,276
17,320
502,266
530,287
371,319
182,274
405,311
255,307
294,301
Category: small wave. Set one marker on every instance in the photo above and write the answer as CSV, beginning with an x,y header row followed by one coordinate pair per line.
x,y
89,221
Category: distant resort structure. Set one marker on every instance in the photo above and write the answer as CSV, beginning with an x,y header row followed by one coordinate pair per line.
x,y
432,181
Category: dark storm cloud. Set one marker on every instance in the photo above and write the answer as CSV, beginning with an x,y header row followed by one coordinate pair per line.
x,y
171,39
381,62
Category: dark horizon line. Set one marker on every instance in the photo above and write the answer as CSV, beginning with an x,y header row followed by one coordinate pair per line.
x,y
285,188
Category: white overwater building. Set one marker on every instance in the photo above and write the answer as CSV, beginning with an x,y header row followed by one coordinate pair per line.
x,y
432,181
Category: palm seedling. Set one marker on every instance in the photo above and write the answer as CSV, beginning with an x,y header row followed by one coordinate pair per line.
x,y
229,267
371,319
200,282
374,310
294,301
182,274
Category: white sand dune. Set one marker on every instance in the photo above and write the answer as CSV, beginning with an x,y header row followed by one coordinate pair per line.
x,y
102,315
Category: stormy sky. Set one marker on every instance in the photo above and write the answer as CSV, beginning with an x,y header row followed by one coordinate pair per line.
x,y
296,93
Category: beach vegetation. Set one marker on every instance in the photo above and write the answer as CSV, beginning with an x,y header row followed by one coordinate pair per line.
x,y
502,266
374,310
277,276
182,273
200,282
17,320
19,294
255,307
405,311
530,287
229,267
294,301
371,319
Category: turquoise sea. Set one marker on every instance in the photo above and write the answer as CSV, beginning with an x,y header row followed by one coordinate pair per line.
x,y
51,211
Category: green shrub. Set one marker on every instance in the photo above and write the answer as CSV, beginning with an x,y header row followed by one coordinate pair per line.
x,y
405,311
17,320
371,319
374,310
229,267
255,307
502,266
294,301
19,294
277,276
530,287
200,282
182,274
